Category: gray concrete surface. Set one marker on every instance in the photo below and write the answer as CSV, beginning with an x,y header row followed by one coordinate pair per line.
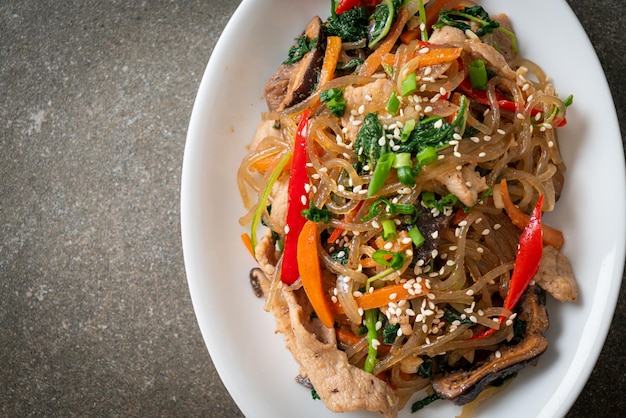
x,y
95,315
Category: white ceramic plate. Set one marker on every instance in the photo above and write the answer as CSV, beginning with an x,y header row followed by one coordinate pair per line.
x,y
250,358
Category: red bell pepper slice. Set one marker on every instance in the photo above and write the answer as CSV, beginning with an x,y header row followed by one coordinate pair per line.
x,y
346,5
503,103
529,251
298,177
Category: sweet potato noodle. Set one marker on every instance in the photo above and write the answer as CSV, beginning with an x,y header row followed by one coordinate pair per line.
x,y
441,237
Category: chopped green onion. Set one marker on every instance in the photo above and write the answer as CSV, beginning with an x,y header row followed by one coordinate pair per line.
x,y
422,15
416,236
569,100
408,127
381,171
371,317
396,261
393,104
389,230
427,156
409,84
266,193
403,165
478,74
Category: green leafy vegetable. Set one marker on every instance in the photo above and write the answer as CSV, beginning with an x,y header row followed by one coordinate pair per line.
x,y
334,101
341,256
299,50
460,18
350,26
390,332
424,402
316,214
366,143
381,20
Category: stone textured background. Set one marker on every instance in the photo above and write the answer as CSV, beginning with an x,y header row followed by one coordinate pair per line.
x,y
95,315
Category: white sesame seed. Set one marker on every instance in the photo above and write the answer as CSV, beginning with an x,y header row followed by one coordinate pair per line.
x,y
500,131
469,292
520,116
428,109
375,344
498,354
360,311
286,229
379,325
361,109
457,154
482,154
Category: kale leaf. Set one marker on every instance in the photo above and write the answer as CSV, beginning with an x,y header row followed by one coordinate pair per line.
x,y
390,332
315,214
425,402
460,19
366,142
350,26
334,101
299,49
341,256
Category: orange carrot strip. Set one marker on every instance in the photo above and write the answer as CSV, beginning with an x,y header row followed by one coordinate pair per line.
x,y
331,57
433,57
551,236
347,337
433,9
264,164
311,273
373,61
381,297
247,241
410,35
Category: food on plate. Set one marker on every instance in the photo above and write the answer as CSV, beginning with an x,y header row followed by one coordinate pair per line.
x,y
394,192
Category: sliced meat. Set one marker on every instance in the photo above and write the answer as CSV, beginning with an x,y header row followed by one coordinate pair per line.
x,y
340,385
293,83
372,96
499,39
463,386
465,184
447,35
280,202
556,276
477,49
264,129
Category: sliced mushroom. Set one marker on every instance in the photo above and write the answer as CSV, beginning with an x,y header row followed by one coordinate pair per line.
x,y
463,386
291,84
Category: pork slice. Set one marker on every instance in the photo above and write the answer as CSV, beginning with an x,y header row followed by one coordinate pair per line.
x,y
494,60
372,96
340,385
465,184
500,40
556,276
